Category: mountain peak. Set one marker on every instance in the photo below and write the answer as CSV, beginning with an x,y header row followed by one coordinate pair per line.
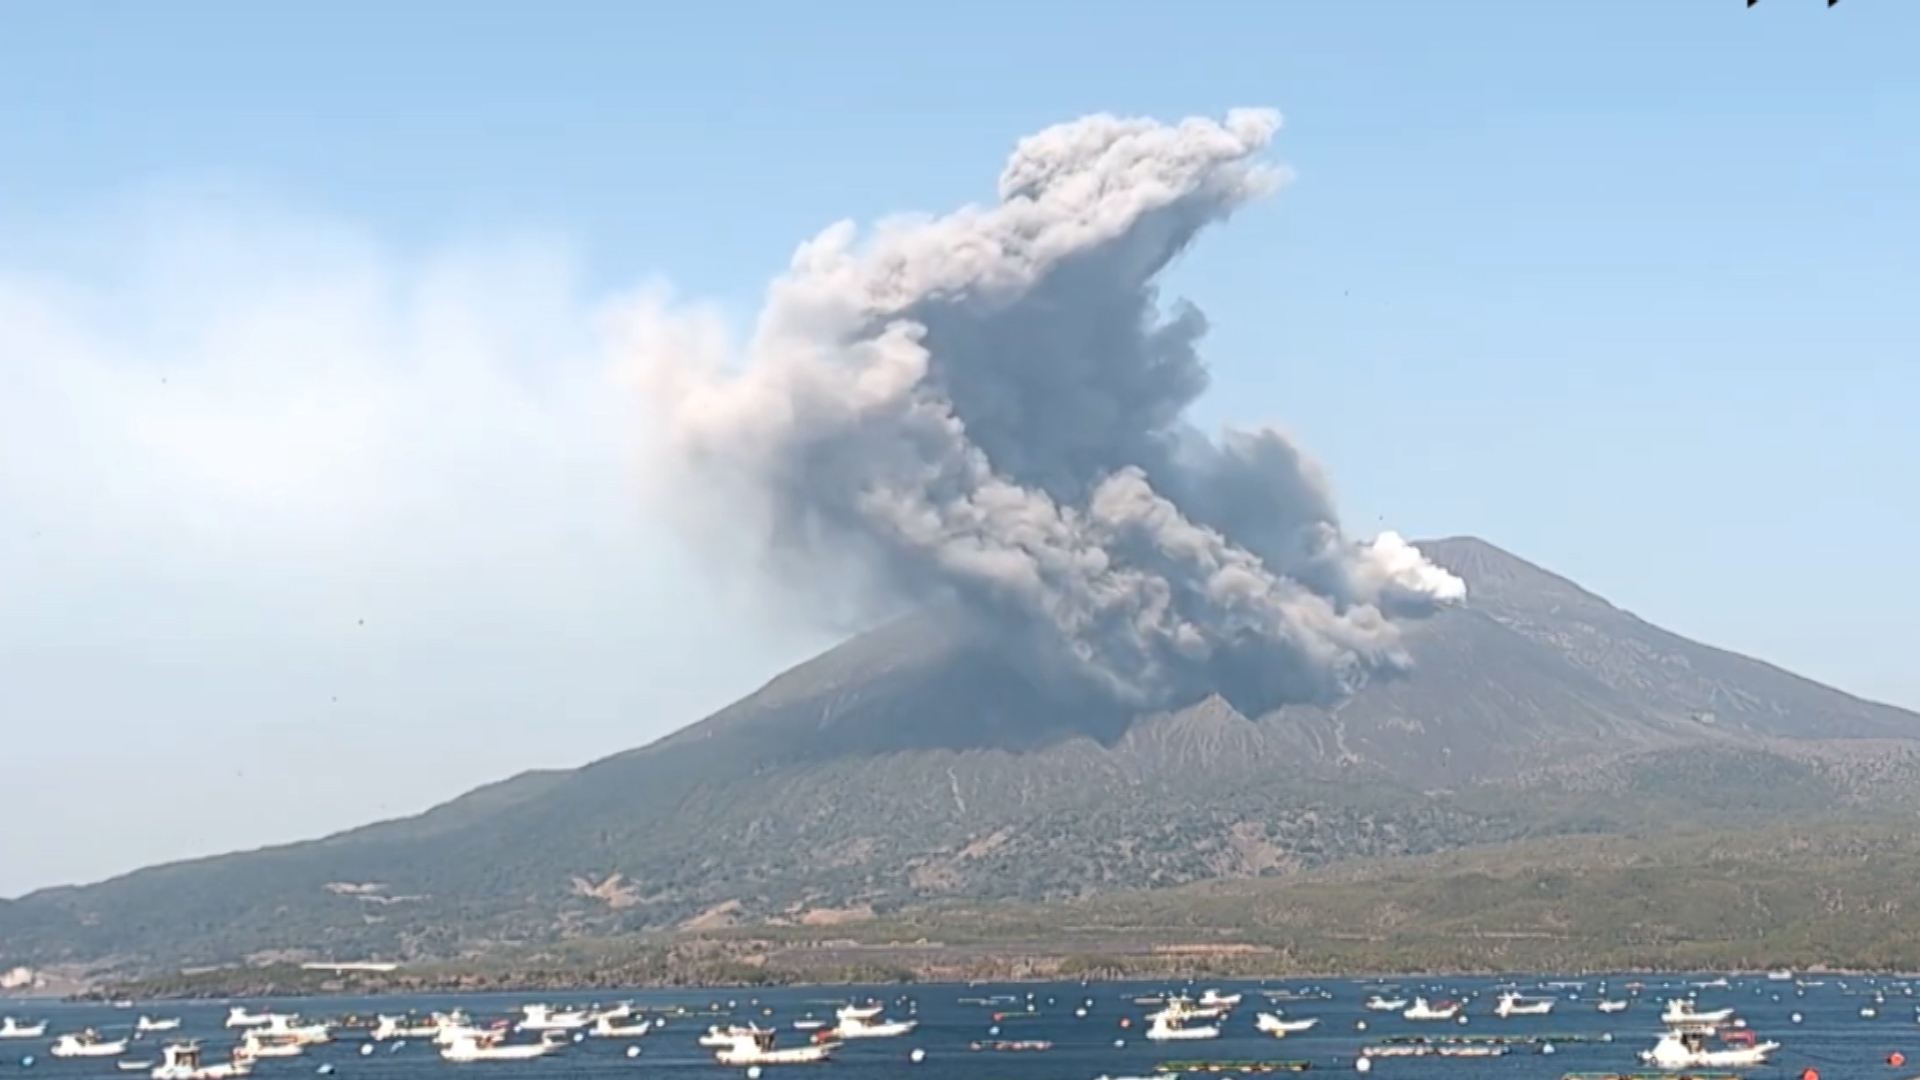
x,y
1501,578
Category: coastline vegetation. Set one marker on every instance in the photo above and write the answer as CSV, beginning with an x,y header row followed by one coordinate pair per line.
x,y
1831,897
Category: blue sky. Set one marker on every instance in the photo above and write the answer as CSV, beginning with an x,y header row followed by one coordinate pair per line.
x,y
313,505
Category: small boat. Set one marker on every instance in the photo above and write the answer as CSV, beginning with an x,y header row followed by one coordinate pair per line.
x,y
87,1044
1682,1011
867,1023
1214,999
389,1028
809,1024
1376,1003
1184,1009
1168,1029
1421,1010
286,1028
543,1018
255,1046
181,1061
147,1025
1515,1005
1279,1028
608,1027
133,1066
1685,1047
1607,1006
490,1048
14,1029
756,1048
719,1037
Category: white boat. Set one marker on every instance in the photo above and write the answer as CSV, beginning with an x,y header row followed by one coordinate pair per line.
x,y
1780,975
1279,1028
181,1061
1183,1010
756,1048
286,1028
255,1045
1214,999
490,1048
808,1023
871,1027
1421,1010
133,1066
239,1017
1515,1005
1681,1011
716,1037
544,1018
1606,1006
388,1028
1376,1003
859,1012
1167,1029
1686,1048
608,1027
450,1028
87,1045
14,1029
147,1025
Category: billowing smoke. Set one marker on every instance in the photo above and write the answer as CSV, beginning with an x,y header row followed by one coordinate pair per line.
x,y
987,407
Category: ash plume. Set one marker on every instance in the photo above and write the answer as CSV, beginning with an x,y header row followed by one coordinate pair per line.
x,y
987,408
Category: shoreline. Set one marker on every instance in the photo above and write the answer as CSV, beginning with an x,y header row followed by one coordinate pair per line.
x,y
288,981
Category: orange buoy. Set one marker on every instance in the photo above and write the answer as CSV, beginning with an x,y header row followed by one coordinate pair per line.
x,y
1896,1059
1810,1074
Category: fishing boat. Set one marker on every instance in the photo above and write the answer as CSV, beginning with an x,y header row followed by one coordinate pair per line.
x,y
1422,1010
1682,1011
1280,1028
1515,1005
14,1029
491,1048
1685,1047
181,1061
1167,1028
544,1018
1614,1006
147,1025
868,1024
1376,1003
608,1027
87,1044
757,1048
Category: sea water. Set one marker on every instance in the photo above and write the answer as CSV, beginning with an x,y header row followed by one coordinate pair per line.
x,y
1821,1027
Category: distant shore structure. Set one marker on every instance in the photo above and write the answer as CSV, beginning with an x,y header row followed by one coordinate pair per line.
x,y
359,965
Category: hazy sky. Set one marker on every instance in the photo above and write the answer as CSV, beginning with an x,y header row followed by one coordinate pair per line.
x,y
316,502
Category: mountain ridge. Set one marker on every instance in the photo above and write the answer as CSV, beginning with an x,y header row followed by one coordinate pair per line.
x,y
913,765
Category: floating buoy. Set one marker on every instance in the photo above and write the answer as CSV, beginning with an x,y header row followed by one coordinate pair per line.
x,y
1126,1021
366,1050
1359,1025
1081,1013
1868,1013
633,1051
1363,1064
1811,1073
1546,1048
917,1056
994,1030
1119,1043
1463,1018
1796,1018
753,1072
1606,1037
325,1070
1896,1059
27,1062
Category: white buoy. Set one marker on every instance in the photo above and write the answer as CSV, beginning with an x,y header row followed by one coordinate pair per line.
x,y
917,1056
1359,1025
633,1051
1546,1048
1081,1013
1363,1064
1119,1043
1868,1013
1463,1018
366,1050
325,1070
994,1030
1796,1018
753,1072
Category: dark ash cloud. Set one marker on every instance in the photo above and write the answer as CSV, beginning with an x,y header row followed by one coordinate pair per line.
x,y
987,407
